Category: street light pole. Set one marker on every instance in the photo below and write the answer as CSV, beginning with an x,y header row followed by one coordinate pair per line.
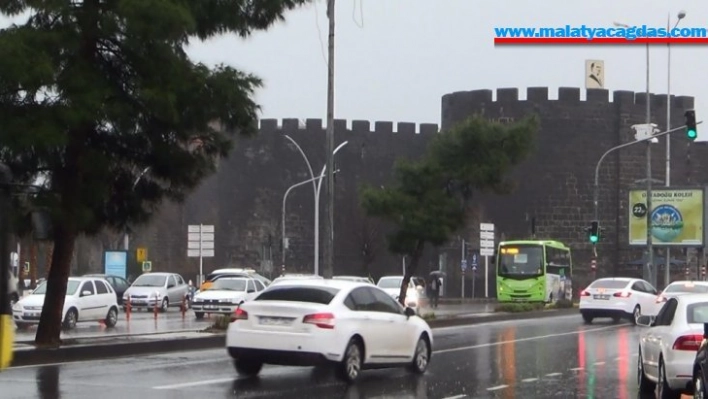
x,y
282,222
317,185
329,225
681,15
126,235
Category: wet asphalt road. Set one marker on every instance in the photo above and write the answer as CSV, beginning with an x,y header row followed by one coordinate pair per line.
x,y
546,358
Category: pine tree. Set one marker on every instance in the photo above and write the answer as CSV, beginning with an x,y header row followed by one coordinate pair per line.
x,y
93,93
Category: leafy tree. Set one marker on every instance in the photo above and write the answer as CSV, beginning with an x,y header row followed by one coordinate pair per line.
x,y
428,199
93,93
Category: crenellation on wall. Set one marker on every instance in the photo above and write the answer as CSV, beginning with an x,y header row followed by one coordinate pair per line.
x,y
381,127
507,95
429,128
534,94
405,128
291,125
314,125
623,97
268,125
685,102
360,126
568,94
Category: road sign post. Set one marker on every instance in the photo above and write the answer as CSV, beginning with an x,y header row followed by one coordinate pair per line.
x,y
200,244
147,266
464,268
486,249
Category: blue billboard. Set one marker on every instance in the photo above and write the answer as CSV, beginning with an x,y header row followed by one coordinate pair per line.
x,y
115,263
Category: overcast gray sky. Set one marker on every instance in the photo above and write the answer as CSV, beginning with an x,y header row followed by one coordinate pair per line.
x,y
395,62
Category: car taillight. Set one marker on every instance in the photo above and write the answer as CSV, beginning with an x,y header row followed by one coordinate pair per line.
x,y
239,314
688,343
584,293
321,320
660,299
623,294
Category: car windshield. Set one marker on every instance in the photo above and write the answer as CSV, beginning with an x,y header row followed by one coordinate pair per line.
x,y
697,313
228,284
320,295
150,280
522,261
609,284
390,282
71,288
687,287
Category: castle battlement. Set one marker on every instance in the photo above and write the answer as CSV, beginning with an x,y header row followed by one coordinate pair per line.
x,y
289,125
567,95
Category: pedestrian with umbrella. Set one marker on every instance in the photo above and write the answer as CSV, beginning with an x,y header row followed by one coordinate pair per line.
x,y
434,285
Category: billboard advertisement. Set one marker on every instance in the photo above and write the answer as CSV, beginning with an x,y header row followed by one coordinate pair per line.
x,y
115,263
677,217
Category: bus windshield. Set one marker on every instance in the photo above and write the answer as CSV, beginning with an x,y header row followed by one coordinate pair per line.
x,y
521,261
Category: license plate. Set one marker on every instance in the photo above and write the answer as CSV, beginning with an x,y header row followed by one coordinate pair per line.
x,y
140,301
275,321
605,297
32,314
210,306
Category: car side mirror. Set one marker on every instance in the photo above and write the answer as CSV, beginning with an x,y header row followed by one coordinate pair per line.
x,y
645,321
409,312
86,293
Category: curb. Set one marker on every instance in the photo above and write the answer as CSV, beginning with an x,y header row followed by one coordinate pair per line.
x,y
32,357
76,353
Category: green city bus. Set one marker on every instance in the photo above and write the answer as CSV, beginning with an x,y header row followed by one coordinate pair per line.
x,y
533,271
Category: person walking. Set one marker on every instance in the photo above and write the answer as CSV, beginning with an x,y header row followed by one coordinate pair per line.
x,y
434,291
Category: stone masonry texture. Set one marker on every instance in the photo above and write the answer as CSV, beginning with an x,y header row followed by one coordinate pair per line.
x,y
554,186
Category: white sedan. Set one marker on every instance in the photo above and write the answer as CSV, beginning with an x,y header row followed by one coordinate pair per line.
x,y
87,299
618,298
392,286
667,349
682,287
352,325
223,296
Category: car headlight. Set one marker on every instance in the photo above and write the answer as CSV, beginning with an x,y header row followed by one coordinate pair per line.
x,y
17,307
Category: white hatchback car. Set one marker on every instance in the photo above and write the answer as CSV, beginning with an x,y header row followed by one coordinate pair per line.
x,y
311,322
87,299
667,349
618,298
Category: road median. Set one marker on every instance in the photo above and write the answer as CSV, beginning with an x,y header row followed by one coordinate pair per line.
x,y
125,346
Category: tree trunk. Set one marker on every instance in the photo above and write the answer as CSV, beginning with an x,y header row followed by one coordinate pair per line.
x,y
50,323
410,271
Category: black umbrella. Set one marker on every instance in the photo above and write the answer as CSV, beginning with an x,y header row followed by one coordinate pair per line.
x,y
438,273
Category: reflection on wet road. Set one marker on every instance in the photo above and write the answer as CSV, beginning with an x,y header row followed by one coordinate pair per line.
x,y
547,358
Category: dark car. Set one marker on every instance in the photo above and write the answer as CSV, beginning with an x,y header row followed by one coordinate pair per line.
x,y
119,284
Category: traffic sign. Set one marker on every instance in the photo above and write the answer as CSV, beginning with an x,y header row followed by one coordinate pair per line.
x,y
147,267
464,264
486,239
141,254
26,268
200,241
475,262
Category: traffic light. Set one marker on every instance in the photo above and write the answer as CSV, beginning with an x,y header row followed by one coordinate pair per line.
x,y
691,130
594,231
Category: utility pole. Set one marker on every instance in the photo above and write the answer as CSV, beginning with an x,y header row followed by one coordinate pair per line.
x,y
651,268
329,186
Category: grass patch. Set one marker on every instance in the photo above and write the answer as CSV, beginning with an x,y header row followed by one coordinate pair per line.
x,y
562,304
519,307
428,316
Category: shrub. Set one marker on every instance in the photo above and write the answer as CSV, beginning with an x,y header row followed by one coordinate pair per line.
x,y
519,307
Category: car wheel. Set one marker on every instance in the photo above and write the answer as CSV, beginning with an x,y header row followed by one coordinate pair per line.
x,y
199,315
665,391
699,387
421,356
72,316
165,304
635,314
247,367
350,367
645,385
587,319
111,318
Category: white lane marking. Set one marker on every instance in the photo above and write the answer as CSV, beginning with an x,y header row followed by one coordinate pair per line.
x,y
456,397
553,374
536,338
577,369
498,387
530,379
498,322
618,358
599,363
196,383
